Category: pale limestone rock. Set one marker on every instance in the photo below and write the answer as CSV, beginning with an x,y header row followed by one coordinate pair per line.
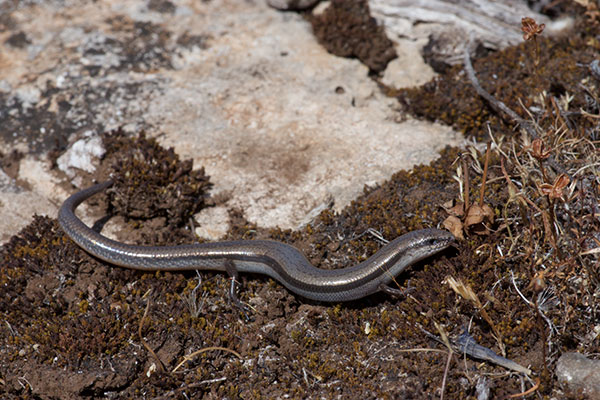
x,y
281,125
579,374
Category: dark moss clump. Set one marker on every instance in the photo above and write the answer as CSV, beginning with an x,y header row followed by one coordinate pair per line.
x,y
151,181
34,249
347,29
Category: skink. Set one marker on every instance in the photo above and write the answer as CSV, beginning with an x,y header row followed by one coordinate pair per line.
x,y
277,260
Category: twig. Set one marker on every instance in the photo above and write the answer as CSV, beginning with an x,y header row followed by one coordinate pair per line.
x,y
466,344
497,105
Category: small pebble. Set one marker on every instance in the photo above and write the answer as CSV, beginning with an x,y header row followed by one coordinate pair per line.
x,y
579,374
595,68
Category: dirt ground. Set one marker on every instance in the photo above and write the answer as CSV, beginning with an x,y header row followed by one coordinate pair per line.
x,y
76,327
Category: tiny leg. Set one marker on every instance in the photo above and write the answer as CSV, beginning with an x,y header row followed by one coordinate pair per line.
x,y
395,292
233,297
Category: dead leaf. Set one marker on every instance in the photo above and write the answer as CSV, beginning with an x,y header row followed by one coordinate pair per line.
x,y
455,226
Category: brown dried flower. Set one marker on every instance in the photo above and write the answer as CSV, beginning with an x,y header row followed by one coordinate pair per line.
x,y
555,191
539,149
530,28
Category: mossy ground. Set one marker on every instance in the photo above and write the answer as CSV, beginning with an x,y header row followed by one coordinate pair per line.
x,y
75,323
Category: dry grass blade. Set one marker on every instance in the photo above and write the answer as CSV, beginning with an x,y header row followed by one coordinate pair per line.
x,y
466,292
191,356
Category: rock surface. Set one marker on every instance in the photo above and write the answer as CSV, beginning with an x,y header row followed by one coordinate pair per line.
x,y
281,125
579,374
444,27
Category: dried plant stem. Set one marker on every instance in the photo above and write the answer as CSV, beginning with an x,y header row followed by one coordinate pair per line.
x,y
485,171
446,374
536,60
465,168
553,229
527,392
